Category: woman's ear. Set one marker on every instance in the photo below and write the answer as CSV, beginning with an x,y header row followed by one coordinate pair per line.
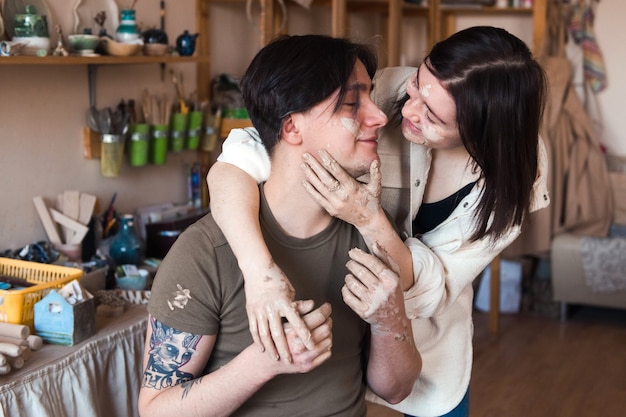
x,y
290,132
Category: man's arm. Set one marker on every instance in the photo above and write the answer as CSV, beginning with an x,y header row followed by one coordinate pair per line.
x,y
373,291
174,362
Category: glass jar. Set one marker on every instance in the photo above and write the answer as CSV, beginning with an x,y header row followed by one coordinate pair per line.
x,y
126,247
127,31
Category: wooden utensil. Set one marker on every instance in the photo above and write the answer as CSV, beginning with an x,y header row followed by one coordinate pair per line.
x,y
46,220
70,209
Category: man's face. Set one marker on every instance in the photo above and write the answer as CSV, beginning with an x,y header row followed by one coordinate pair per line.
x,y
350,135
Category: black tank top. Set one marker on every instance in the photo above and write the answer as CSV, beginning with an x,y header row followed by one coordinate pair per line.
x,y
430,215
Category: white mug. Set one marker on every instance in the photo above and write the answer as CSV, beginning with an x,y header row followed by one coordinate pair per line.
x,y
8,48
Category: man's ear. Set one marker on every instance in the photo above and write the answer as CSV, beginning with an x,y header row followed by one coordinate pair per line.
x,y
290,132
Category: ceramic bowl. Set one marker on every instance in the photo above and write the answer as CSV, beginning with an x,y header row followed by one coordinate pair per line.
x,y
154,49
82,43
137,282
121,49
33,45
154,36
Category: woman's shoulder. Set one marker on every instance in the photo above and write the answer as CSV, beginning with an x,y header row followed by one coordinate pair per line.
x,y
390,82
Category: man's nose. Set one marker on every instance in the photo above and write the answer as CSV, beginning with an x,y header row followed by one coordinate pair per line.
x,y
376,115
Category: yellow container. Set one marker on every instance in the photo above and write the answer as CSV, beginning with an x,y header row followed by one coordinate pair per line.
x,y
17,306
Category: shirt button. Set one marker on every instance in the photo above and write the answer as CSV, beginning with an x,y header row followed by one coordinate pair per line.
x,y
545,197
465,204
417,183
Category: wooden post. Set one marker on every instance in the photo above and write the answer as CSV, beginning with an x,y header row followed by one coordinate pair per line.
x,y
494,297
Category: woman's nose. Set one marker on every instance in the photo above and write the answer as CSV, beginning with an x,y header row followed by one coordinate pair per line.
x,y
411,109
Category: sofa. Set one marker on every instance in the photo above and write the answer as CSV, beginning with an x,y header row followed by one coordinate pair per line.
x,y
569,281
592,271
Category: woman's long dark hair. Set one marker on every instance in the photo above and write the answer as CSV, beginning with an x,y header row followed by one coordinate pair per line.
x,y
499,90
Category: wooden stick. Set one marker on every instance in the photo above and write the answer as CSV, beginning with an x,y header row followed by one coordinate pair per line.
x,y
46,220
70,209
79,229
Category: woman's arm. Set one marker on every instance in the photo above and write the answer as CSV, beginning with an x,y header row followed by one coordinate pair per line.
x,y
269,294
372,290
358,204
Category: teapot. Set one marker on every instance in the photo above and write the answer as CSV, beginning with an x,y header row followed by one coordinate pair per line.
x,y
186,43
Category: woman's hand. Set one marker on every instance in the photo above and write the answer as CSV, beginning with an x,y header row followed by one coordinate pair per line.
x,y
339,193
372,288
269,298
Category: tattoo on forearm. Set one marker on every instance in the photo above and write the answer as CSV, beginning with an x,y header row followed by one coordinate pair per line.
x,y
170,349
187,386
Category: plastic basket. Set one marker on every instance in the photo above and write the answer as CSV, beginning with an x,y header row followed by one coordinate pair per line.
x,y
17,306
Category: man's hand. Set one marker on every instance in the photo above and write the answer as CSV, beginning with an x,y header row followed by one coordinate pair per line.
x,y
338,193
269,299
319,323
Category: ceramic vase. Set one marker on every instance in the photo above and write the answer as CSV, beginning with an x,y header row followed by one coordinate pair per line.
x,y
126,247
127,31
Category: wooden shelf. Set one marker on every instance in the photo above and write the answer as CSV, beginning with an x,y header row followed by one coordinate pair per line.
x,y
485,10
99,60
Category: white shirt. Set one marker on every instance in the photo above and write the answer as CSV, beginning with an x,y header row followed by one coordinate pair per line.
x,y
445,261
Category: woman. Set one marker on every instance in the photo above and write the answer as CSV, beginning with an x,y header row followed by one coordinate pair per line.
x,y
459,187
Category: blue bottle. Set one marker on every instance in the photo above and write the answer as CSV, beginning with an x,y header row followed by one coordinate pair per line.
x,y
126,247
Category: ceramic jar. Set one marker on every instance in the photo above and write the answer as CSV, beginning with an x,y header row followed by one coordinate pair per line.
x,y
31,29
30,24
186,44
126,247
127,31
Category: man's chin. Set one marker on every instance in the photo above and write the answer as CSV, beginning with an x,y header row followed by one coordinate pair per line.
x,y
361,170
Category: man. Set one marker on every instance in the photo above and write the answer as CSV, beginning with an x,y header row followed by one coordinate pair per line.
x,y
303,94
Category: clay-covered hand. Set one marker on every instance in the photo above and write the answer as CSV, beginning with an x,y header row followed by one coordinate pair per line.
x,y
372,288
269,298
319,323
339,193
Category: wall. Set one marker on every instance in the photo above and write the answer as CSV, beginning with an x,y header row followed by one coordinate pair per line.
x,y
608,29
42,108
611,36
42,114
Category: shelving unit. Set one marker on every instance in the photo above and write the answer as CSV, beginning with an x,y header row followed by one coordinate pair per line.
x,y
99,60
201,58
441,18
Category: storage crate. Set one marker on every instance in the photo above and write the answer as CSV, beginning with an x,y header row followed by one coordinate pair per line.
x,y
17,306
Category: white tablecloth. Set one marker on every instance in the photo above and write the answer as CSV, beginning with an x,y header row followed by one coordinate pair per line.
x,y
100,376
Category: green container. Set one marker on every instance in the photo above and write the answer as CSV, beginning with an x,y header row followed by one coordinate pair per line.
x,y
178,131
158,144
194,130
138,146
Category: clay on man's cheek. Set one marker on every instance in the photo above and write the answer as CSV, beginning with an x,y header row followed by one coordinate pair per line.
x,y
351,126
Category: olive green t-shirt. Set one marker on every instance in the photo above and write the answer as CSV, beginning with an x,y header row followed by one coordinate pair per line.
x,y
201,271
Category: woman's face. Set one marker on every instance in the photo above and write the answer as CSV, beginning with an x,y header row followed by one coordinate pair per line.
x,y
429,116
